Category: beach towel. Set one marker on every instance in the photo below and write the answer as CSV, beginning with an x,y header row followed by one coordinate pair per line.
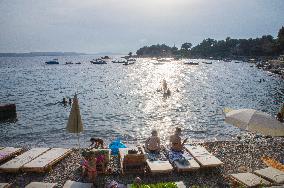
x,y
180,157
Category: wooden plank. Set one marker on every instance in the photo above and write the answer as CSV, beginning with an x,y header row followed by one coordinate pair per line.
x,y
5,185
8,152
203,157
40,185
74,184
272,174
46,160
249,179
15,164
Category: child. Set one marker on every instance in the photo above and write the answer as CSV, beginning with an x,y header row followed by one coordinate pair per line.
x,y
89,167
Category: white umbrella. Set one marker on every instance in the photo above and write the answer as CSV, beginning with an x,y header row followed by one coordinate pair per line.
x,y
255,121
75,124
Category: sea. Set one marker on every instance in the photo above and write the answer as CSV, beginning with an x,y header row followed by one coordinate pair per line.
x,y
125,102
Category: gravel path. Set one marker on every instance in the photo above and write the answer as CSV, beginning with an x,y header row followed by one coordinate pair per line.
x,y
236,155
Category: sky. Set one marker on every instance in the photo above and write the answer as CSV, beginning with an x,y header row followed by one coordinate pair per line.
x,y
120,26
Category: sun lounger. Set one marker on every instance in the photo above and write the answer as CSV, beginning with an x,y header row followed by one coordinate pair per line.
x,y
15,164
249,179
203,157
8,152
190,164
272,174
74,184
40,185
46,160
133,163
5,185
161,165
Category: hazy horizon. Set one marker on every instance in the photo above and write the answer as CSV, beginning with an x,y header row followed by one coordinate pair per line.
x,y
126,25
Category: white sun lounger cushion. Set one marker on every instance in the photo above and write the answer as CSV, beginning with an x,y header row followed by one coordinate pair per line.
x,y
202,156
271,174
159,166
5,185
40,185
19,161
249,179
74,184
8,152
47,158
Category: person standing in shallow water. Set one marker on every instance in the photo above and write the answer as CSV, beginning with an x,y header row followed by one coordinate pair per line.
x,y
153,144
175,141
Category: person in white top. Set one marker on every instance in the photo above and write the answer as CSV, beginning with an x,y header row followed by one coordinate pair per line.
x,y
152,143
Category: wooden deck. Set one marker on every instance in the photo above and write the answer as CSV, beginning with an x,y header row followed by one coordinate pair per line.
x,y
8,152
203,157
45,161
15,164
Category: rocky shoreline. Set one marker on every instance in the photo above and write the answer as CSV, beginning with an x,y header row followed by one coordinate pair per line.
x,y
237,155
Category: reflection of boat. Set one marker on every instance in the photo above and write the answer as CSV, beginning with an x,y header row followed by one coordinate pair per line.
x,y
117,61
191,63
98,61
52,62
68,63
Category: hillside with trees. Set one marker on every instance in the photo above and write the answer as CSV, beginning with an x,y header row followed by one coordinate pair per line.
x,y
227,48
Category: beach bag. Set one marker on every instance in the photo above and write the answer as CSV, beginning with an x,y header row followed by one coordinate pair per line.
x,y
115,145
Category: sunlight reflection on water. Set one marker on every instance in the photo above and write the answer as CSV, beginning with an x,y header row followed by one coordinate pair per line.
x,y
124,101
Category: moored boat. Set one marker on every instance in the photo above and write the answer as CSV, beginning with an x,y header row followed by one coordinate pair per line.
x,y
52,62
98,61
191,63
117,61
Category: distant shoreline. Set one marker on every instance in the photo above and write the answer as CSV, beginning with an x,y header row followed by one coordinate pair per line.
x,y
34,54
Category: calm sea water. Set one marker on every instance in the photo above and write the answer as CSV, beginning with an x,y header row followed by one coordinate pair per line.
x,y
118,101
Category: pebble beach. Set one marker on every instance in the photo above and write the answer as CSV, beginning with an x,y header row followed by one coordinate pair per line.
x,y
238,155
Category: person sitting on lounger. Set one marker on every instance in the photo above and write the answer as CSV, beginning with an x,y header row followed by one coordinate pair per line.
x,y
152,143
175,141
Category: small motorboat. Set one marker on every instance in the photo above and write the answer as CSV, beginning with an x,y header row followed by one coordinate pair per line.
x,y
130,62
68,63
78,63
98,61
191,63
52,62
117,61
207,62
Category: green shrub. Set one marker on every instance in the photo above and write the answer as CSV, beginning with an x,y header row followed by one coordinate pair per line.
x,y
156,185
